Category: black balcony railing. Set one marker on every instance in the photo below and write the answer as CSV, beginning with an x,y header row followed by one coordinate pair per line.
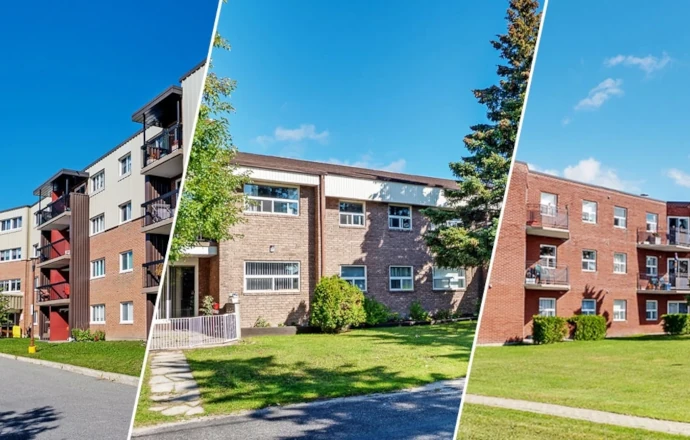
x,y
547,216
153,271
53,292
167,141
160,209
53,250
674,237
545,273
54,209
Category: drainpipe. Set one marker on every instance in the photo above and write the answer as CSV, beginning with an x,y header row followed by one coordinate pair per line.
x,y
321,221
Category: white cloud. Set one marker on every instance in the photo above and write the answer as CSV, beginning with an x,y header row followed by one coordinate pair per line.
x,y
593,172
566,121
679,177
397,166
600,94
367,161
304,132
539,169
648,64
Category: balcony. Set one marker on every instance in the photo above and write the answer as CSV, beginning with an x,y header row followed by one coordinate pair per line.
x,y
54,216
55,255
540,276
673,241
159,213
152,272
55,293
666,284
162,155
547,221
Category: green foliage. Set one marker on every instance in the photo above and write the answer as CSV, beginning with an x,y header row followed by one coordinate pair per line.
x,y
80,335
482,176
676,323
549,329
261,323
99,335
443,314
376,312
207,305
337,305
588,327
417,312
4,309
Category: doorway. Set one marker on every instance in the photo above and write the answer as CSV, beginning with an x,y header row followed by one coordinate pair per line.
x,y
180,294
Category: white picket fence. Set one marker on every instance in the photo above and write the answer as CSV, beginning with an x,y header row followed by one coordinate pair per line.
x,y
199,331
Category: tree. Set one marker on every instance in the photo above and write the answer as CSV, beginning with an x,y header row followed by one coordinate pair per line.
x,y
212,200
482,176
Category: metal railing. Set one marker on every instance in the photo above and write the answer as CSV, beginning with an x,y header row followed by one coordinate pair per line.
x,y
547,216
53,250
178,333
678,237
167,141
53,292
53,209
542,273
668,282
152,273
160,209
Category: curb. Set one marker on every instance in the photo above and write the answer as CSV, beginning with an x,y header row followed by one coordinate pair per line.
x,y
122,379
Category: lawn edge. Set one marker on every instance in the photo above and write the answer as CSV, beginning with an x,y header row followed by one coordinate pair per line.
x,y
122,379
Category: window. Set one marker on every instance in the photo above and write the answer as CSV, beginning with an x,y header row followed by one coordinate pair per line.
x,y
126,262
272,199
265,276
400,217
11,254
652,266
10,224
589,261
98,224
98,314
677,307
620,263
620,216
126,165
547,255
11,285
589,211
126,313
126,212
548,204
98,268
37,253
98,181
589,307
652,222
400,278
620,310
449,279
355,275
547,306
652,309
351,214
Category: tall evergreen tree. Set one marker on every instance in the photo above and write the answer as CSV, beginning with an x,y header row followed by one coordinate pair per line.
x,y
482,176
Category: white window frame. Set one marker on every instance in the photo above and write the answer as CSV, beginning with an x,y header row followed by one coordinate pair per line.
x,y
273,200
400,218
548,258
125,163
617,310
273,277
654,224
548,209
590,311
126,208
94,265
591,216
675,302
130,305
618,267
352,216
98,182
589,260
550,311
352,280
654,311
460,278
13,254
401,279
13,285
95,221
12,224
655,266
95,317
620,222
122,260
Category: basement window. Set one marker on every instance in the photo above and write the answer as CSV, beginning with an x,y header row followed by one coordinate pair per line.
x,y
620,310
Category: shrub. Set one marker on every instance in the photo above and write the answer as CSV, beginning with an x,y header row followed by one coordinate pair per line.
x,y
376,312
676,323
207,305
261,323
417,312
443,314
549,329
80,335
337,305
99,335
588,327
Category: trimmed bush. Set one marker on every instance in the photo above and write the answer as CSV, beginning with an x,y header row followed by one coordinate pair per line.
x,y
676,323
549,329
443,314
337,305
588,327
261,323
417,312
376,312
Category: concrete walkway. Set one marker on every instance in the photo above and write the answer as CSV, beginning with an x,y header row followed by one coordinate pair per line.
x,y
583,414
173,388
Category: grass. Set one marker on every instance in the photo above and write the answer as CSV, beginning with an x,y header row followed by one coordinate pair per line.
x,y
123,357
642,376
271,370
486,423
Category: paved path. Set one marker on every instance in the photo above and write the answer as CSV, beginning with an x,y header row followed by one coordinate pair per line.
x,y
44,403
583,414
427,413
173,388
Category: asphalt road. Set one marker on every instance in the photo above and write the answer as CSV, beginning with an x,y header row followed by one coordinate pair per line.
x,y
427,415
38,402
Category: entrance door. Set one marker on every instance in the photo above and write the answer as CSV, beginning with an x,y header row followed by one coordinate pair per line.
x,y
678,272
181,292
59,324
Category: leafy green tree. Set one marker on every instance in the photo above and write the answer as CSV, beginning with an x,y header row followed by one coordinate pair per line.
x,y
212,200
483,174
4,309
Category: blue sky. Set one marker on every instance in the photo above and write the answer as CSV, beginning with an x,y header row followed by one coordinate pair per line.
x,y
365,83
74,72
609,99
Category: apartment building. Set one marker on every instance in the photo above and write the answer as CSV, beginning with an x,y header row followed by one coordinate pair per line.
x,y
568,248
307,220
88,253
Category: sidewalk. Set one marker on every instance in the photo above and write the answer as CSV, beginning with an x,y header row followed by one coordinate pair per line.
x,y
589,415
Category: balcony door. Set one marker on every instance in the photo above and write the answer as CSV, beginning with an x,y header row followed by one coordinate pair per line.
x,y
678,272
179,294
548,204
678,228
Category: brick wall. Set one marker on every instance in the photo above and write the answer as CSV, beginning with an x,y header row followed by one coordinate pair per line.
x,y
12,270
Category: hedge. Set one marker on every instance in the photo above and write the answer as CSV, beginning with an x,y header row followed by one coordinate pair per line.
x,y
376,312
588,327
337,305
676,323
549,329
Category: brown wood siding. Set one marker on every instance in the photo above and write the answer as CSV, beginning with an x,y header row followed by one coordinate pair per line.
x,y
156,246
79,262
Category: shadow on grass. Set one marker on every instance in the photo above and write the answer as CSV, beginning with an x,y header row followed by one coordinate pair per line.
x,y
655,338
29,424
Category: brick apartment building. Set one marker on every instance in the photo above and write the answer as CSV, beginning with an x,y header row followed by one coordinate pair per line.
x,y
89,253
310,219
568,248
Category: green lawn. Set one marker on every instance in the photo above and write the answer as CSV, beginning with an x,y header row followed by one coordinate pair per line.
x,y
265,371
486,423
124,357
643,376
